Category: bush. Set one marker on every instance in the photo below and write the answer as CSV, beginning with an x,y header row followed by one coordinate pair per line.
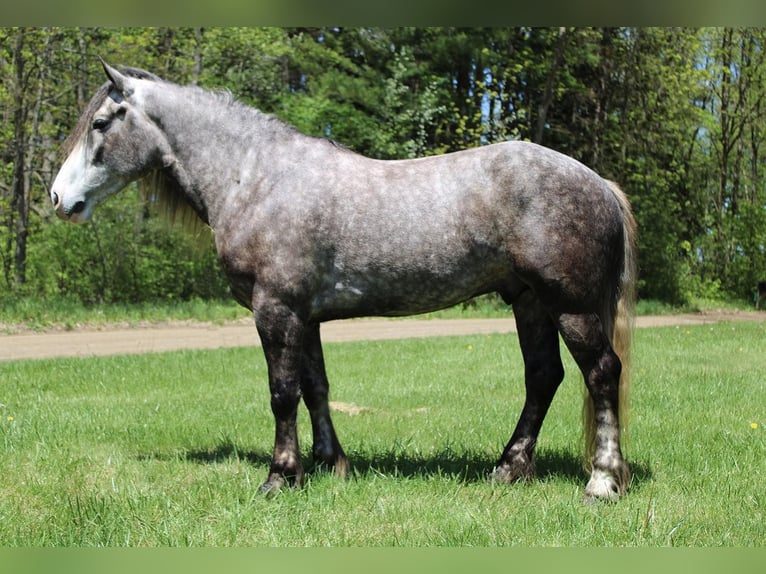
x,y
125,255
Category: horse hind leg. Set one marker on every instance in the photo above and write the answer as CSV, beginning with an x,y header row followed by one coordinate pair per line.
x,y
585,338
543,373
326,449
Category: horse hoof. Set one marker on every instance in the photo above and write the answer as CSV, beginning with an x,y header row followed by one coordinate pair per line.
x,y
338,467
341,468
518,471
271,487
602,486
276,482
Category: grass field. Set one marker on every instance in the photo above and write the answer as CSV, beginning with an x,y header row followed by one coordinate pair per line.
x,y
169,449
35,314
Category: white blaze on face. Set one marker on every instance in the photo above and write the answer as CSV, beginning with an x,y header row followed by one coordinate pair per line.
x,y
67,190
79,185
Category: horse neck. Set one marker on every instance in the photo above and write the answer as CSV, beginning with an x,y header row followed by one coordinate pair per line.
x,y
211,138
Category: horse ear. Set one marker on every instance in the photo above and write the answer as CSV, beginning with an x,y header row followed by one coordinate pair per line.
x,y
119,80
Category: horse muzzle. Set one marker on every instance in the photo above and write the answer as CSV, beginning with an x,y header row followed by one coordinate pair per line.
x,y
69,211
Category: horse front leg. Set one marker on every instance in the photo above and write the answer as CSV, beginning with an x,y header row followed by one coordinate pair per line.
x,y
543,373
281,332
326,449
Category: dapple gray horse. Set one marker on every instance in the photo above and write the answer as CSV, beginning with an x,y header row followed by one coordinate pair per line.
x,y
308,231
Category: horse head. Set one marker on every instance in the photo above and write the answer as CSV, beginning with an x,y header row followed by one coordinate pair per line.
x,y
114,143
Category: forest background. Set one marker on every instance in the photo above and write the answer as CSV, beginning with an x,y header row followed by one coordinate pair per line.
x,y
674,115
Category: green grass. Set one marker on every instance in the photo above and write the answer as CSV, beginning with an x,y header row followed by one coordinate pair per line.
x,y
30,313
169,449
697,305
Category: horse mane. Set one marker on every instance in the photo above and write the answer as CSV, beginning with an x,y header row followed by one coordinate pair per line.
x,y
82,127
164,196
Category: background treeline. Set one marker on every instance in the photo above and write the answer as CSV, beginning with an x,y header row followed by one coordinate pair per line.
x,y
675,116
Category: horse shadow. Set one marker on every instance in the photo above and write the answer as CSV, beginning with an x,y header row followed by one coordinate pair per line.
x,y
466,467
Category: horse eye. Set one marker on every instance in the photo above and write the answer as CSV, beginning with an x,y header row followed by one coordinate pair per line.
x,y
100,123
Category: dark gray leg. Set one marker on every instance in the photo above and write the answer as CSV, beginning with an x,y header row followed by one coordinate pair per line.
x,y
586,340
282,334
326,449
543,373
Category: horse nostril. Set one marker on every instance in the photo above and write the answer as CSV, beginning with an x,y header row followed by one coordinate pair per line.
x,y
78,207
55,199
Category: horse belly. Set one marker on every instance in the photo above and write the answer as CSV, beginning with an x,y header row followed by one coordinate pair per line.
x,y
399,289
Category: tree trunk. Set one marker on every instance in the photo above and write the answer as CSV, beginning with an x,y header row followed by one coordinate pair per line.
x,y
19,195
26,144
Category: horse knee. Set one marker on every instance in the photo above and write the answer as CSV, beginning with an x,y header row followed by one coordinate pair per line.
x,y
284,399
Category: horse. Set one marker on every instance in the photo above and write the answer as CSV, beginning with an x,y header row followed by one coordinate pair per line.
x,y
309,231
760,294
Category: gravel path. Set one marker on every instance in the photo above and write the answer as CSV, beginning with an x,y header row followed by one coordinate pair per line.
x,y
167,337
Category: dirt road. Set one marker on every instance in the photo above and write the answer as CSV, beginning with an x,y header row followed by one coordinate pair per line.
x,y
167,337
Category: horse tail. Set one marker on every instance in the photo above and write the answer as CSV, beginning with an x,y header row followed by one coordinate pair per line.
x,y
618,322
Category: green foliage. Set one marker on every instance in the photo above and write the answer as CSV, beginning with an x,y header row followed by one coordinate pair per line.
x,y
124,256
674,115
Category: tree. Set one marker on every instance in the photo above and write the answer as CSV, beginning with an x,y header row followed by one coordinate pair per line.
x,y
733,246
24,65
673,115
